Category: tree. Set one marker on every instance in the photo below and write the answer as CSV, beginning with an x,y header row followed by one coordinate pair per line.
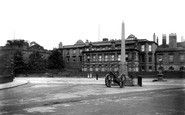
x,y
19,65
36,63
55,60
17,43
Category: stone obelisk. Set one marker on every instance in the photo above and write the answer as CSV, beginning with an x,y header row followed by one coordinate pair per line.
x,y
123,65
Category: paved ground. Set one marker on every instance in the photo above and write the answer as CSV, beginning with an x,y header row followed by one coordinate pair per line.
x,y
40,94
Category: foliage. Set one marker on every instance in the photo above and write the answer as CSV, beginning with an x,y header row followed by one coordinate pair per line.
x,y
17,43
19,65
55,60
36,62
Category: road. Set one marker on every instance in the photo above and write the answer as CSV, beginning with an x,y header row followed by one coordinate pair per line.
x,y
93,99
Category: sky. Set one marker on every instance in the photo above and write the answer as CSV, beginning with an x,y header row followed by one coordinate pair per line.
x,y
49,22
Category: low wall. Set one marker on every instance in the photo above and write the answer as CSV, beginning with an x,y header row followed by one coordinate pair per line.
x,y
167,74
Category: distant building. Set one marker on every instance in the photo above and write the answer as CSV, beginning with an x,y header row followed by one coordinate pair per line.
x,y
105,55
172,54
60,45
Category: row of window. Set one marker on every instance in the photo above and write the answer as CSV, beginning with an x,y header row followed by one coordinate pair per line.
x,y
74,59
111,57
74,51
143,68
172,68
143,58
143,48
106,58
171,58
108,69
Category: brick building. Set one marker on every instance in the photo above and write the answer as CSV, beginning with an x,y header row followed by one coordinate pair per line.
x,y
105,55
172,54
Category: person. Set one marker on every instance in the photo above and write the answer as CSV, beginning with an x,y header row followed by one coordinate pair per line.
x,y
96,76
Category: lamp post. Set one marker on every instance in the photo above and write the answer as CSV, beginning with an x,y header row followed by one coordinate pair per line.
x,y
160,74
12,67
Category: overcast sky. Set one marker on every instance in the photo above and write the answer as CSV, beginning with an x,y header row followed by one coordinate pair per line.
x,y
49,22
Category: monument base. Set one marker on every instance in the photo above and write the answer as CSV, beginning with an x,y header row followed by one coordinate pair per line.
x,y
160,78
129,81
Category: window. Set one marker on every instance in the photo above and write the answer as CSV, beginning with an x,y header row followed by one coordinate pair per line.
x,y
126,57
74,51
182,68
81,50
143,68
100,58
143,58
96,69
137,69
94,57
112,57
171,58
119,57
171,68
150,48
67,52
90,69
182,58
80,58
93,49
142,48
67,59
106,58
150,68
150,59
160,68
74,59
88,58
129,56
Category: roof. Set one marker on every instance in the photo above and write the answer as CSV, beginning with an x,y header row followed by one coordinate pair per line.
x,y
79,42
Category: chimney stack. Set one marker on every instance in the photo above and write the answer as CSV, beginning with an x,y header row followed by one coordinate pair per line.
x,y
172,40
164,39
154,37
182,39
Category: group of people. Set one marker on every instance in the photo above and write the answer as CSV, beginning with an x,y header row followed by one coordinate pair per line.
x,y
89,75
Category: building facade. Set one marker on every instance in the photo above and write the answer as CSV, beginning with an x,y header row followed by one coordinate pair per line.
x,y
172,55
105,55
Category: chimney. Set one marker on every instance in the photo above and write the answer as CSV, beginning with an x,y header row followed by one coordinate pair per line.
x,y
154,37
182,39
157,40
105,39
172,40
164,39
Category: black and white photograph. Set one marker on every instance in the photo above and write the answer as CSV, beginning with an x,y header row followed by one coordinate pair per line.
x,y
92,57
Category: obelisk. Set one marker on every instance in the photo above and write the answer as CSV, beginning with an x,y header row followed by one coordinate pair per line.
x,y
123,65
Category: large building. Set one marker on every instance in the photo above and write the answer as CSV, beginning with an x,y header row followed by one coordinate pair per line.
x,y
105,55
172,55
